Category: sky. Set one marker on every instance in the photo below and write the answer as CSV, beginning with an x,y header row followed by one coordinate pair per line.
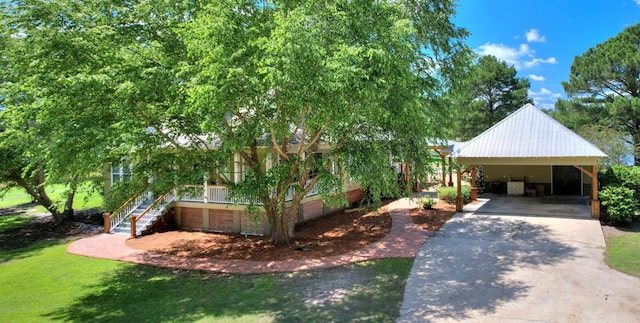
x,y
540,38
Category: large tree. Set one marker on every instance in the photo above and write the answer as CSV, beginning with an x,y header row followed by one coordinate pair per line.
x,y
180,89
82,81
487,93
604,84
362,77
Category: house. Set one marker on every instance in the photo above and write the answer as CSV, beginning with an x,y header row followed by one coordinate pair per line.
x,y
207,206
530,153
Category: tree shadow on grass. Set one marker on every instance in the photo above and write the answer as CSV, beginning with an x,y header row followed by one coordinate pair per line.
x,y
23,236
144,293
466,266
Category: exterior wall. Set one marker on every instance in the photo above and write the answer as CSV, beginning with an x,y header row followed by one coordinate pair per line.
x,y
221,220
533,174
167,223
191,218
312,210
539,175
231,218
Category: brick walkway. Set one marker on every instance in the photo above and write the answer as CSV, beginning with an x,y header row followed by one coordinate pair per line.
x,y
403,241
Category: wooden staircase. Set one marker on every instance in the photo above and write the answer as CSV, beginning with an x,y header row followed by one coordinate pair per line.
x,y
141,211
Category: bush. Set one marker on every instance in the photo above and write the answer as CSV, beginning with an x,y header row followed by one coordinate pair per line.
x,y
620,194
618,204
622,176
449,194
427,202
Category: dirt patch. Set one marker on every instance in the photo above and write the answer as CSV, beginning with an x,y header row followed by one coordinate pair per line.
x,y
611,231
435,218
334,234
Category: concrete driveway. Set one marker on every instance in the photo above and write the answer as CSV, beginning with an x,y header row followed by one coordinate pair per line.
x,y
488,268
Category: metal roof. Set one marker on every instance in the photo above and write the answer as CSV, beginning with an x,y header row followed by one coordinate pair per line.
x,y
528,133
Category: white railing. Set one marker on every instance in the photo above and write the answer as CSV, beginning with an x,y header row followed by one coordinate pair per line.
x,y
153,211
126,209
220,194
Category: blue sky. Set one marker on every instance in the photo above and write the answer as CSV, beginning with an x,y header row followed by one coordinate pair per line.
x,y
541,37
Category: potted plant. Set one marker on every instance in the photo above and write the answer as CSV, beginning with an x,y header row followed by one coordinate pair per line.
x,y
427,202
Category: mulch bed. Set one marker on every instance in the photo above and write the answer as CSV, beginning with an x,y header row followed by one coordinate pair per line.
x,y
334,234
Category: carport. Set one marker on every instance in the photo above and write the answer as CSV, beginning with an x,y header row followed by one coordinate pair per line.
x,y
530,154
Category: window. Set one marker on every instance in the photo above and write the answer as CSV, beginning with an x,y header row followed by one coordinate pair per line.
x,y
120,173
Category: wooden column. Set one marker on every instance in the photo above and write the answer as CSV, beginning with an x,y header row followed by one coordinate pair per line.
x,y
474,189
444,170
450,172
107,222
133,226
595,202
459,198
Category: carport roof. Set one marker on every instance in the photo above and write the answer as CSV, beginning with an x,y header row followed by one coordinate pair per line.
x,y
528,133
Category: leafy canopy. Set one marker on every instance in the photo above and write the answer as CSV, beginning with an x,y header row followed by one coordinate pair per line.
x,y
604,84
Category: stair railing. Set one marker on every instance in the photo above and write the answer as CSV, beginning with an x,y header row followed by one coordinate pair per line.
x,y
158,206
126,209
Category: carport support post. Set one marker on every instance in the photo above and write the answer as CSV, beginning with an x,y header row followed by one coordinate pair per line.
x,y
450,172
474,189
595,202
444,170
459,198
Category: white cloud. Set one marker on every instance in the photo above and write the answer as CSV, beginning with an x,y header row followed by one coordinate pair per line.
x,y
533,36
538,61
637,2
508,54
539,78
515,56
544,98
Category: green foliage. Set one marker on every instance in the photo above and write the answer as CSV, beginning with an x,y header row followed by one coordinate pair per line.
x,y
620,194
611,141
487,94
623,253
449,194
618,204
178,88
427,202
622,176
604,85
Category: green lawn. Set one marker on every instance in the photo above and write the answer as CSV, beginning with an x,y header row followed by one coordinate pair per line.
x,y
42,282
84,198
623,253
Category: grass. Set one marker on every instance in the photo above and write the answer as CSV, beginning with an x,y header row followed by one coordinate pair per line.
x,y
42,282
623,253
12,221
85,197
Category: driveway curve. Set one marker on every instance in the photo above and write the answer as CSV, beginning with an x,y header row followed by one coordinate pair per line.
x,y
485,268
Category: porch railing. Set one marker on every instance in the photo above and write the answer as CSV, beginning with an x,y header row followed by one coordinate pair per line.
x,y
126,209
220,194
142,221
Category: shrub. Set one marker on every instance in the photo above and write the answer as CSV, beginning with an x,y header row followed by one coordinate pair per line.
x,y
427,202
622,176
448,194
618,204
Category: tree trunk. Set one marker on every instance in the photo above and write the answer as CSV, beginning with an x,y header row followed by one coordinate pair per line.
x,y
39,194
283,223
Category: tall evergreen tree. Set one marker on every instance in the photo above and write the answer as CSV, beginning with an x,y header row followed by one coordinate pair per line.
x,y
489,92
604,84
